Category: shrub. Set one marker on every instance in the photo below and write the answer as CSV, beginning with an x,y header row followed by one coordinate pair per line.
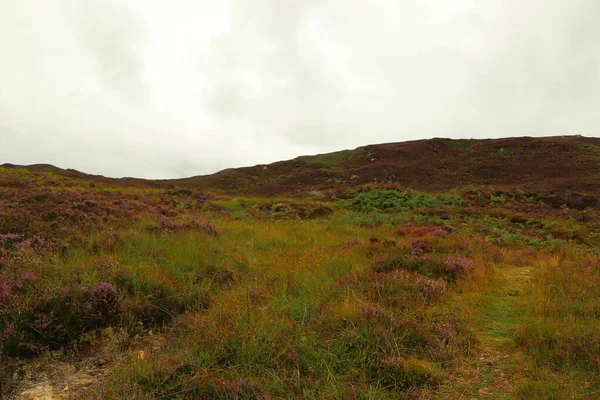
x,y
53,320
290,210
457,266
395,201
169,225
100,305
155,302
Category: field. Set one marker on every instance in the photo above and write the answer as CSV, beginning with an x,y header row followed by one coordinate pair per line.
x,y
375,291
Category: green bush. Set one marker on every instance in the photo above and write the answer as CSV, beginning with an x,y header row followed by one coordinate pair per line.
x,y
395,201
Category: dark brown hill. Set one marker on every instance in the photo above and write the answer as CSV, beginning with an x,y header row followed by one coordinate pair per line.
x,y
97,179
563,163
541,164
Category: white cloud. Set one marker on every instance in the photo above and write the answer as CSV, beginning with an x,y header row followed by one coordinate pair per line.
x,y
168,89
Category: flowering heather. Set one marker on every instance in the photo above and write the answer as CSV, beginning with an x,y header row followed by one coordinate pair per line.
x,y
433,289
413,231
100,303
371,311
457,266
272,298
10,238
10,284
418,247
168,225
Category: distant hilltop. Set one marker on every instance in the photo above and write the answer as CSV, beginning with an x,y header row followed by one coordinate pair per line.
x,y
544,163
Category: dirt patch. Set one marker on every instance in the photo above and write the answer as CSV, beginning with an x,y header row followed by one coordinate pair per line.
x,y
61,381
79,374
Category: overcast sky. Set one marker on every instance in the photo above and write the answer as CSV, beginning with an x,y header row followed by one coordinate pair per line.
x,y
165,89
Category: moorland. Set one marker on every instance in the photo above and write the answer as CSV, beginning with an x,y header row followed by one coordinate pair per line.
x,y
434,269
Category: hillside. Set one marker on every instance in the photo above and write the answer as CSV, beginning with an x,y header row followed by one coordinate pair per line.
x,y
570,163
435,269
537,164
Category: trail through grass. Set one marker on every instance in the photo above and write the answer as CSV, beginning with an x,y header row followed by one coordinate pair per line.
x,y
496,364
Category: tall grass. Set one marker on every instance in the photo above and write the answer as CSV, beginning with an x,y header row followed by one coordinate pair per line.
x,y
277,298
312,317
560,331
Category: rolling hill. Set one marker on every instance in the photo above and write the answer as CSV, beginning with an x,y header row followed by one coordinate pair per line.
x,y
539,164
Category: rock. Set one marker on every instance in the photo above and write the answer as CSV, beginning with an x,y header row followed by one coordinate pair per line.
x,y
42,391
82,380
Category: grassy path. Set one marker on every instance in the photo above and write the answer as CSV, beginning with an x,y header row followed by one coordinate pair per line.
x,y
495,365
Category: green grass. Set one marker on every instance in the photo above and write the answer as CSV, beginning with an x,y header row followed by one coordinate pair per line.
x,y
463,145
330,158
388,295
395,201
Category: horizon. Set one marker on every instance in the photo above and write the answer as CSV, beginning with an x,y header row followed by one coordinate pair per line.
x,y
67,168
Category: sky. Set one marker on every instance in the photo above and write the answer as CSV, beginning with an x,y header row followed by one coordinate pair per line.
x,y
169,89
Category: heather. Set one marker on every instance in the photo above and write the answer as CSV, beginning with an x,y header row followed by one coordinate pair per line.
x,y
376,292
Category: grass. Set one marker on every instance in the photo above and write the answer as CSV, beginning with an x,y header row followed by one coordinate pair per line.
x,y
383,294
330,158
463,145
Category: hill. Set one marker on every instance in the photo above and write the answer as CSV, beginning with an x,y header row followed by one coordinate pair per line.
x,y
568,163
537,164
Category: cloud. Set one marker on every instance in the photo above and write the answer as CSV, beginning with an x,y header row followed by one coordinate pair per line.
x,y
153,89
114,35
